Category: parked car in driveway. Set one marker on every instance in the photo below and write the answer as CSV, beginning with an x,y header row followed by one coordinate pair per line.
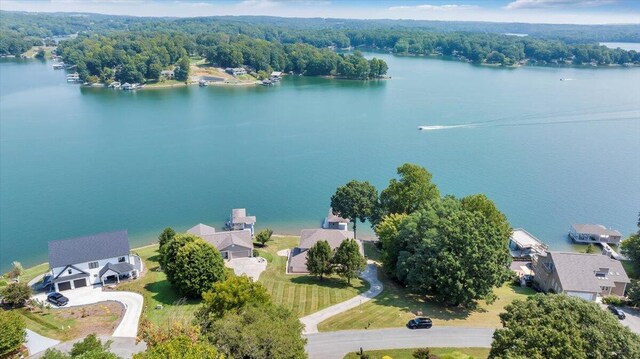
x,y
617,312
420,323
57,299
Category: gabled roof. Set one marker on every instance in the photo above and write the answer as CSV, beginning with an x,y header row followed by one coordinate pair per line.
x,y
576,271
119,268
239,215
309,237
597,229
201,230
88,248
223,240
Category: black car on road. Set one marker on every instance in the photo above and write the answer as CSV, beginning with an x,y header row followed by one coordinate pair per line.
x,y
57,299
617,312
420,323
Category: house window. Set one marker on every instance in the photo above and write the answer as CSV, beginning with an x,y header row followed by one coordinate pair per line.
x,y
121,259
69,271
93,265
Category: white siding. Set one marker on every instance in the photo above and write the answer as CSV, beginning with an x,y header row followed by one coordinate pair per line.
x,y
583,295
93,273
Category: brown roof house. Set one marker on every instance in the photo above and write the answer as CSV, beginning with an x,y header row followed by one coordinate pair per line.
x,y
231,244
297,262
594,233
587,276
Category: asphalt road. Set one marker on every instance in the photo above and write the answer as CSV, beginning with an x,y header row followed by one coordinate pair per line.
x,y
335,345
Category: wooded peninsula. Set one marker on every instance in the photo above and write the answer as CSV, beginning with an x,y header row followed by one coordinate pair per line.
x,y
134,49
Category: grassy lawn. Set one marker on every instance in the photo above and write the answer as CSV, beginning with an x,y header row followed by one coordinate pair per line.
x,y
71,323
451,353
164,83
157,291
303,294
395,306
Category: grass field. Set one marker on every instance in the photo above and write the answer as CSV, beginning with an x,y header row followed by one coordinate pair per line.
x,y
303,294
70,323
444,353
157,291
395,306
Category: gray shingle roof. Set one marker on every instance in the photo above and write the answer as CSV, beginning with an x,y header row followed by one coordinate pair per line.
x,y
576,271
239,215
88,248
201,230
333,218
309,237
120,268
223,240
70,277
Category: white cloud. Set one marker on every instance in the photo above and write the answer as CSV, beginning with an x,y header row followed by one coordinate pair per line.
x,y
434,7
543,4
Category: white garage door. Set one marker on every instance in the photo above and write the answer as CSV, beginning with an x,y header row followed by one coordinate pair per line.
x,y
585,296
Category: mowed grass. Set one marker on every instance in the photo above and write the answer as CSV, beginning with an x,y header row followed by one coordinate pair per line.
x,y
155,288
450,353
303,294
396,305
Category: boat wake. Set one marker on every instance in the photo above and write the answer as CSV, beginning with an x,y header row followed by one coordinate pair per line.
x,y
443,127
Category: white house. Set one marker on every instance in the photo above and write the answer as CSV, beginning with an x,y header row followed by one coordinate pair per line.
x,y
95,259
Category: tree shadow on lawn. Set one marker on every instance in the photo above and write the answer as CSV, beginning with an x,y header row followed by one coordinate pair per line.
x,y
154,258
162,292
330,282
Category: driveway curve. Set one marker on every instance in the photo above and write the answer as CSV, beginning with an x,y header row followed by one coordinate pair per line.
x,y
132,302
335,345
370,274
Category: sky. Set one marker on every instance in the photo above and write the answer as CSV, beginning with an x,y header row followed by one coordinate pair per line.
x,y
531,11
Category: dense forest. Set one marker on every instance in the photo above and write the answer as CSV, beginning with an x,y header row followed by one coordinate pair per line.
x,y
135,49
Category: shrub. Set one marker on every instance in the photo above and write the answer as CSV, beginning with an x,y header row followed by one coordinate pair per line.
x,y
12,333
615,300
16,294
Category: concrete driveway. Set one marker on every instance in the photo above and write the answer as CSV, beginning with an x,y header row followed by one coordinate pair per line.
x,y
36,343
252,267
633,319
335,345
122,347
370,274
132,302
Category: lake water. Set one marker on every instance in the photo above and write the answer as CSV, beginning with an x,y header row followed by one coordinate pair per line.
x,y
76,161
623,45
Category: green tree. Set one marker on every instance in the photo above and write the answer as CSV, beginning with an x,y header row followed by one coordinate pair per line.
x,y
319,259
423,353
453,254
92,347
16,294
258,332
633,292
192,265
12,333
483,205
630,247
230,295
40,54
181,72
356,201
590,249
387,231
166,235
180,347
348,260
559,326
412,191
264,236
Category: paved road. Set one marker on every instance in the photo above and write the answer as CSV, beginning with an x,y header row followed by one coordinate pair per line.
x,y
123,347
36,343
370,274
335,345
132,302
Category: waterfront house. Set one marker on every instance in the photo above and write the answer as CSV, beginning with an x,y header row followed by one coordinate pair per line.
x,y
90,260
231,244
523,244
240,221
167,74
594,233
335,222
587,276
297,262
276,74
236,71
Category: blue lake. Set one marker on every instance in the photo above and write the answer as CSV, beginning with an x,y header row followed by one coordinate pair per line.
x,y
77,161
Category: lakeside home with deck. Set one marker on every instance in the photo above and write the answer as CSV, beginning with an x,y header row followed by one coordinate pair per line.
x,y
297,261
231,244
594,233
524,245
240,221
